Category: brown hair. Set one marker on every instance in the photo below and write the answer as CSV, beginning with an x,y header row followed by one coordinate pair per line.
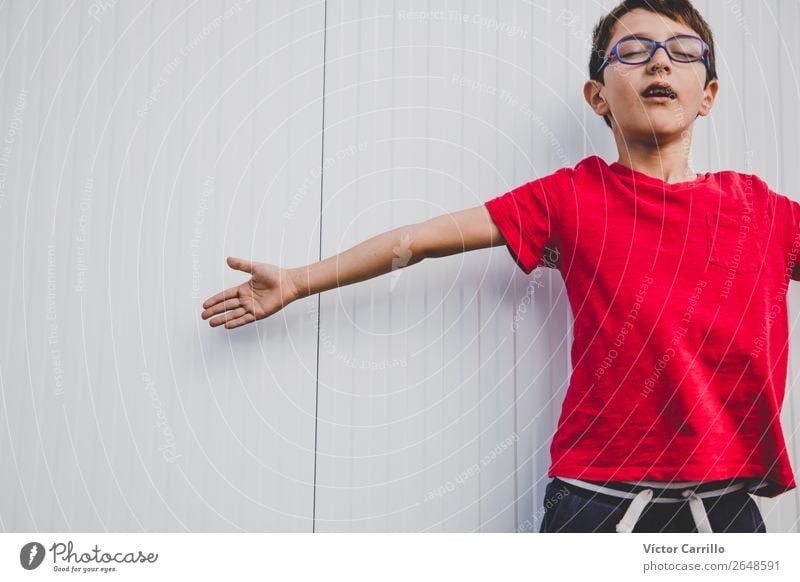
x,y
678,10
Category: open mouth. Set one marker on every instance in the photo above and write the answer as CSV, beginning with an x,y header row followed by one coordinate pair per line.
x,y
659,93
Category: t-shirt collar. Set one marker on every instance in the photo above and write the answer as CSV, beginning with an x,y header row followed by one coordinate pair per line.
x,y
642,179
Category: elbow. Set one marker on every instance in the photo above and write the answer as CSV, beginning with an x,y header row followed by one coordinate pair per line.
x,y
411,247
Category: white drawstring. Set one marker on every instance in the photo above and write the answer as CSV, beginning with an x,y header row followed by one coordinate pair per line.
x,y
641,499
635,509
698,512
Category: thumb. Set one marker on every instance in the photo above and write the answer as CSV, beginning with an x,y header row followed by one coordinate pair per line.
x,y
240,264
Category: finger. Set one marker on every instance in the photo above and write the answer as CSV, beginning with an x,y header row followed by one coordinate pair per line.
x,y
222,296
239,321
223,306
240,264
227,316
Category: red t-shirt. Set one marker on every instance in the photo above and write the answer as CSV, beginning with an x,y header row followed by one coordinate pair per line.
x,y
678,294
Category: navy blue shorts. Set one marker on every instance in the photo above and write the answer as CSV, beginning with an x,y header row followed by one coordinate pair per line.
x,y
574,509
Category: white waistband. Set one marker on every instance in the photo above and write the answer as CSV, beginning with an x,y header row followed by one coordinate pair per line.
x,y
628,495
645,496
664,484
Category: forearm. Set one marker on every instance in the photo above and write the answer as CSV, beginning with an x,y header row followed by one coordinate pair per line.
x,y
388,251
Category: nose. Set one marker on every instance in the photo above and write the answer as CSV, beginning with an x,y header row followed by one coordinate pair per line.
x,y
659,60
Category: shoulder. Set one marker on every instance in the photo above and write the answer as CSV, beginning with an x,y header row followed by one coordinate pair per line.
x,y
591,165
741,188
739,179
591,168
567,174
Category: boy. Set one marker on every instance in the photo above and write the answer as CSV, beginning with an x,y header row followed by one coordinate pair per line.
x,y
677,282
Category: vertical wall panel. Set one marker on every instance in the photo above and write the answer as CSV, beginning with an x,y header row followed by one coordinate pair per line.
x,y
155,140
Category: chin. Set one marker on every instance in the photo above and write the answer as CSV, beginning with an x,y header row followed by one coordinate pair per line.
x,y
663,121
657,131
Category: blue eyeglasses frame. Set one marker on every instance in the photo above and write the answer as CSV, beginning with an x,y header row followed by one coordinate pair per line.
x,y
614,55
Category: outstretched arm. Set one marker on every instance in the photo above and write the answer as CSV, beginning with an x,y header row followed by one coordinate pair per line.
x,y
272,288
461,231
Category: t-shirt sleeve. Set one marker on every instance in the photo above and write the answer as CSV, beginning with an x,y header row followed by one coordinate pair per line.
x,y
527,216
786,226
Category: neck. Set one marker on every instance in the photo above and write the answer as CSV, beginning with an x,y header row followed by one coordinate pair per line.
x,y
668,162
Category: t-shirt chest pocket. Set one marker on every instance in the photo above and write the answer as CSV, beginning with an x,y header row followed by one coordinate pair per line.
x,y
733,242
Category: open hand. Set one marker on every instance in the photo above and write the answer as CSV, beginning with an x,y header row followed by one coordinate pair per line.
x,y
268,291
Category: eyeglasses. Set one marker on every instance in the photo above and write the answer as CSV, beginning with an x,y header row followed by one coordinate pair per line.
x,y
682,48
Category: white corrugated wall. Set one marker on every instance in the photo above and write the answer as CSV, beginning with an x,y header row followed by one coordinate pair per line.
x,y
145,142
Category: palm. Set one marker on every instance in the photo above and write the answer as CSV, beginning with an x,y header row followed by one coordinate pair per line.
x,y
259,294
268,291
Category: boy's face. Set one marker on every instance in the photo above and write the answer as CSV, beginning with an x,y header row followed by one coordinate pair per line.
x,y
651,120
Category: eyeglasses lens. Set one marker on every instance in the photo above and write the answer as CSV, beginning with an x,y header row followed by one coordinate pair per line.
x,y
635,51
685,49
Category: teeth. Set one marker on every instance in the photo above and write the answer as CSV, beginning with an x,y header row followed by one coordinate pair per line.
x,y
659,93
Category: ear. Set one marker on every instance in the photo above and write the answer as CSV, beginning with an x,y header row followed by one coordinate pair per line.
x,y
709,95
592,94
